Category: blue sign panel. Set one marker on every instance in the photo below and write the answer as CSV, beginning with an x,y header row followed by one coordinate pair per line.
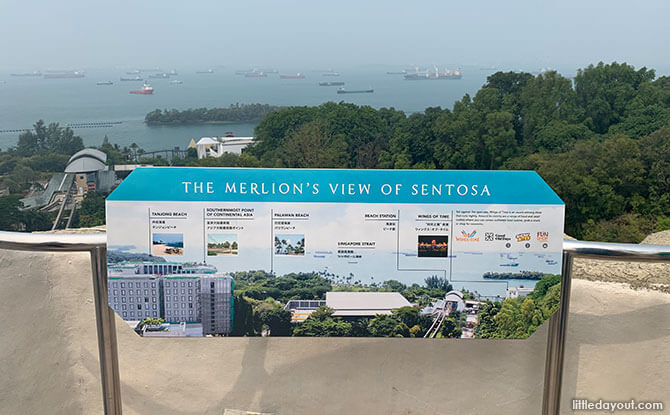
x,y
377,252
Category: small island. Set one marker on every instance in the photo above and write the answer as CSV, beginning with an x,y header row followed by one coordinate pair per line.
x,y
236,113
522,275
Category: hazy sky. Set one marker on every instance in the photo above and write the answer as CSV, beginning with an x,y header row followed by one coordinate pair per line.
x,y
294,33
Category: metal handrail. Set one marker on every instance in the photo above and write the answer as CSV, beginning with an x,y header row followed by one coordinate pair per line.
x,y
68,242
96,246
617,252
109,366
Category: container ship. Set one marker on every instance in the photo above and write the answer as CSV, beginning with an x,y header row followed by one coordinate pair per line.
x,y
434,75
355,91
331,83
296,76
146,90
64,75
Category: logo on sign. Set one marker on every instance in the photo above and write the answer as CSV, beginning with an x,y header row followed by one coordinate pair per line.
x,y
520,237
468,236
543,236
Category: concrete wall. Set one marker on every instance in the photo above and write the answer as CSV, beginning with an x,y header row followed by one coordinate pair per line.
x,y
618,348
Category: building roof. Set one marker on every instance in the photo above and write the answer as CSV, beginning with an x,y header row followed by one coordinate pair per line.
x,y
454,296
86,160
206,141
362,304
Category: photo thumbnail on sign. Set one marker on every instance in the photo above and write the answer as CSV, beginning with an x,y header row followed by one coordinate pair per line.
x,y
167,244
222,244
433,246
290,244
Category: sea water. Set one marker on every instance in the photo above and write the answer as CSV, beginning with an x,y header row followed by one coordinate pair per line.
x,y
24,100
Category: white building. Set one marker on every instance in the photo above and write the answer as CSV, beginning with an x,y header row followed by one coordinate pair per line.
x,y
514,292
454,301
218,146
364,304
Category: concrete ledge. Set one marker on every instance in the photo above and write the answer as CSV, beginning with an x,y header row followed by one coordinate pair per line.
x,y
618,348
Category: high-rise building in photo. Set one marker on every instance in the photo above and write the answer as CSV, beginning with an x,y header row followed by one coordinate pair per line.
x,y
178,293
216,304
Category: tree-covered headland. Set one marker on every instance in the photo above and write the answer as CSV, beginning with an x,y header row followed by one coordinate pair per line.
x,y
600,140
235,113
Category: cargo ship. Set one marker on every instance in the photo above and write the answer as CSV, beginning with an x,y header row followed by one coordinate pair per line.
x,y
207,71
35,73
105,83
331,74
331,83
146,90
355,91
159,76
255,75
137,78
296,76
434,75
64,75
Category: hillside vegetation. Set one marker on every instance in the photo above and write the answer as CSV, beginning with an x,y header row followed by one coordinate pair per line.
x,y
601,141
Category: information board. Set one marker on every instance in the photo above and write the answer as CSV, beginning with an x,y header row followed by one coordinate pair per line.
x,y
227,251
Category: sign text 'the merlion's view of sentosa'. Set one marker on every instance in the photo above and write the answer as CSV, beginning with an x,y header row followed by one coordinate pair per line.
x,y
291,252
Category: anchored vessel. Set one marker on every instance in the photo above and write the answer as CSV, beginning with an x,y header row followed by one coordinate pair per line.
x,y
331,83
75,74
146,90
434,75
296,76
355,91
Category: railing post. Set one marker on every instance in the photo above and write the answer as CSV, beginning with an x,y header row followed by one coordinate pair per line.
x,y
105,322
553,370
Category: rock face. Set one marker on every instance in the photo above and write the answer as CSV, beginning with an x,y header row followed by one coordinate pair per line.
x,y
618,348
636,275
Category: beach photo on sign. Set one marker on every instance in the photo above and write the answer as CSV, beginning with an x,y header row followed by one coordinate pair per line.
x,y
290,244
432,246
167,244
222,244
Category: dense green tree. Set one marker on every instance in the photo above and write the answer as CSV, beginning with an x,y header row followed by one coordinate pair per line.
x,y
321,324
545,98
275,319
92,210
51,138
243,317
604,91
14,218
451,328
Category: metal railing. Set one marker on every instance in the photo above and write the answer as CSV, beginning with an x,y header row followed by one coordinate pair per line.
x,y
95,244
